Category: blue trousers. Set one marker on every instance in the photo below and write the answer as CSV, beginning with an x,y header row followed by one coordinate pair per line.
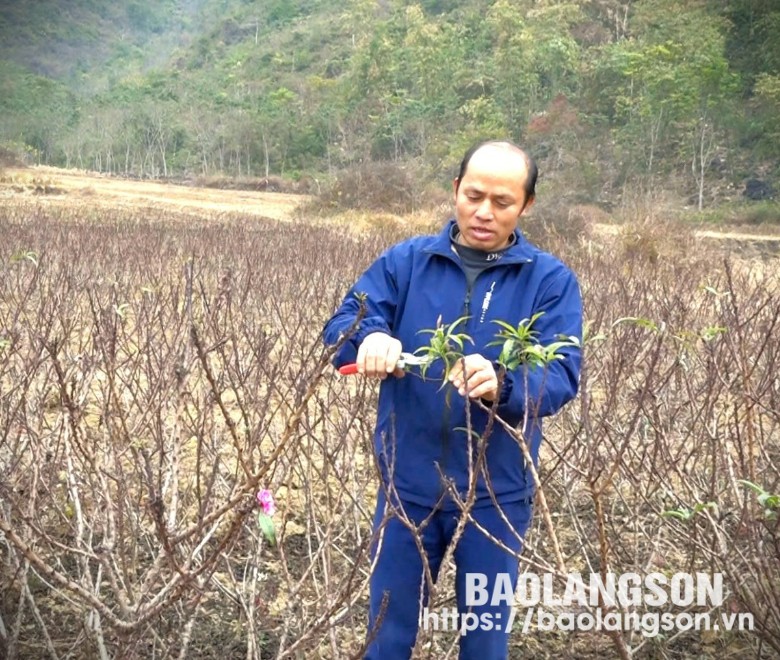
x,y
398,574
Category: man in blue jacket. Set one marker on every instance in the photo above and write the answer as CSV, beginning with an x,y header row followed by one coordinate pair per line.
x,y
481,267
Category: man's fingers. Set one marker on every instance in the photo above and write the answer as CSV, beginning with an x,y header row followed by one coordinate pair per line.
x,y
484,388
478,384
360,361
474,375
393,355
387,358
378,355
458,376
374,349
378,368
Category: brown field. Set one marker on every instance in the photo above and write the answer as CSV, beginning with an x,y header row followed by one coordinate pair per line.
x,y
77,187
160,362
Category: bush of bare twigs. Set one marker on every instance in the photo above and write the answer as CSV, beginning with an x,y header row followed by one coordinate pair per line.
x,y
155,375
381,187
157,370
10,156
272,183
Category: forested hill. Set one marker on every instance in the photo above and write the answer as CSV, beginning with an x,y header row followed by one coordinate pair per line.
x,y
605,92
85,43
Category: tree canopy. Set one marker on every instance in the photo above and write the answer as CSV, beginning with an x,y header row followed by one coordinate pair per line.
x,y
607,90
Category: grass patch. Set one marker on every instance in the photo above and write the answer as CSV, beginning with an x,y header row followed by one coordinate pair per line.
x,y
765,212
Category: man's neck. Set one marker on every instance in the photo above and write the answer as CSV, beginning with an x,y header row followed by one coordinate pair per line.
x,y
457,238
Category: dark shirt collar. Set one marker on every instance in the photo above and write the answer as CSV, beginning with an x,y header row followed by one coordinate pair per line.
x,y
475,255
521,251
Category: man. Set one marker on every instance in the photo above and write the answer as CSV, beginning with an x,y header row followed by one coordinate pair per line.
x,y
481,267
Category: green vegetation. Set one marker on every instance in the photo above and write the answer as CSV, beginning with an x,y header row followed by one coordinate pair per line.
x,y
740,213
609,94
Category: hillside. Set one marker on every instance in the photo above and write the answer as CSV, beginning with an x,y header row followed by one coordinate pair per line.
x,y
88,43
610,95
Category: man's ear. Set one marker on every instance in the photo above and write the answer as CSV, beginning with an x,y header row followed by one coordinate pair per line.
x,y
528,204
455,183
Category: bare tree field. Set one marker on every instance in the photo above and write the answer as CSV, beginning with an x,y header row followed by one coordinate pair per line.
x,y
161,363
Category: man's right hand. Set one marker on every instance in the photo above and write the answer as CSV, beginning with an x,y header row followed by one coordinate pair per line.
x,y
378,355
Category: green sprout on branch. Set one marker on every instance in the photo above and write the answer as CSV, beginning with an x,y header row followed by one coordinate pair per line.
x,y
769,502
647,324
685,514
711,332
588,337
25,255
520,345
442,346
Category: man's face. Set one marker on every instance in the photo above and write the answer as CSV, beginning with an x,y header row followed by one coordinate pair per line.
x,y
490,198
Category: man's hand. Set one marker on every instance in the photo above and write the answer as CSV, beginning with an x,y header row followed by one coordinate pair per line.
x,y
377,356
478,373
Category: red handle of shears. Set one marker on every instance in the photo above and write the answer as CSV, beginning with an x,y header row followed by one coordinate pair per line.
x,y
404,361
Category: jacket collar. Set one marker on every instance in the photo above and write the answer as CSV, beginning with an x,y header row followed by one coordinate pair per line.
x,y
522,252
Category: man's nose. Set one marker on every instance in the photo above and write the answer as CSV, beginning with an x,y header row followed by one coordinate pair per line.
x,y
485,210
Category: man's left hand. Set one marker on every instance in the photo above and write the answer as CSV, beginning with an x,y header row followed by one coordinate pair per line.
x,y
476,374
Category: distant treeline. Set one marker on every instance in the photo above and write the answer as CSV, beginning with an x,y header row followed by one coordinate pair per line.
x,y
605,92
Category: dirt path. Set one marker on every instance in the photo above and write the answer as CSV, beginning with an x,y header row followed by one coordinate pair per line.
x,y
737,236
613,230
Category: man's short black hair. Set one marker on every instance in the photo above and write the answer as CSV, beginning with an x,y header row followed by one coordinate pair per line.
x,y
532,170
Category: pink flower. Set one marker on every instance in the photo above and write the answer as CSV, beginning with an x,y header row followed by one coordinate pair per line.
x,y
266,500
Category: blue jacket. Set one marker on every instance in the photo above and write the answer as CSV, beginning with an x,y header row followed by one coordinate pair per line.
x,y
420,431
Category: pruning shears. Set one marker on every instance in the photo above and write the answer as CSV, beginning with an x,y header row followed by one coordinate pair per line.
x,y
404,362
